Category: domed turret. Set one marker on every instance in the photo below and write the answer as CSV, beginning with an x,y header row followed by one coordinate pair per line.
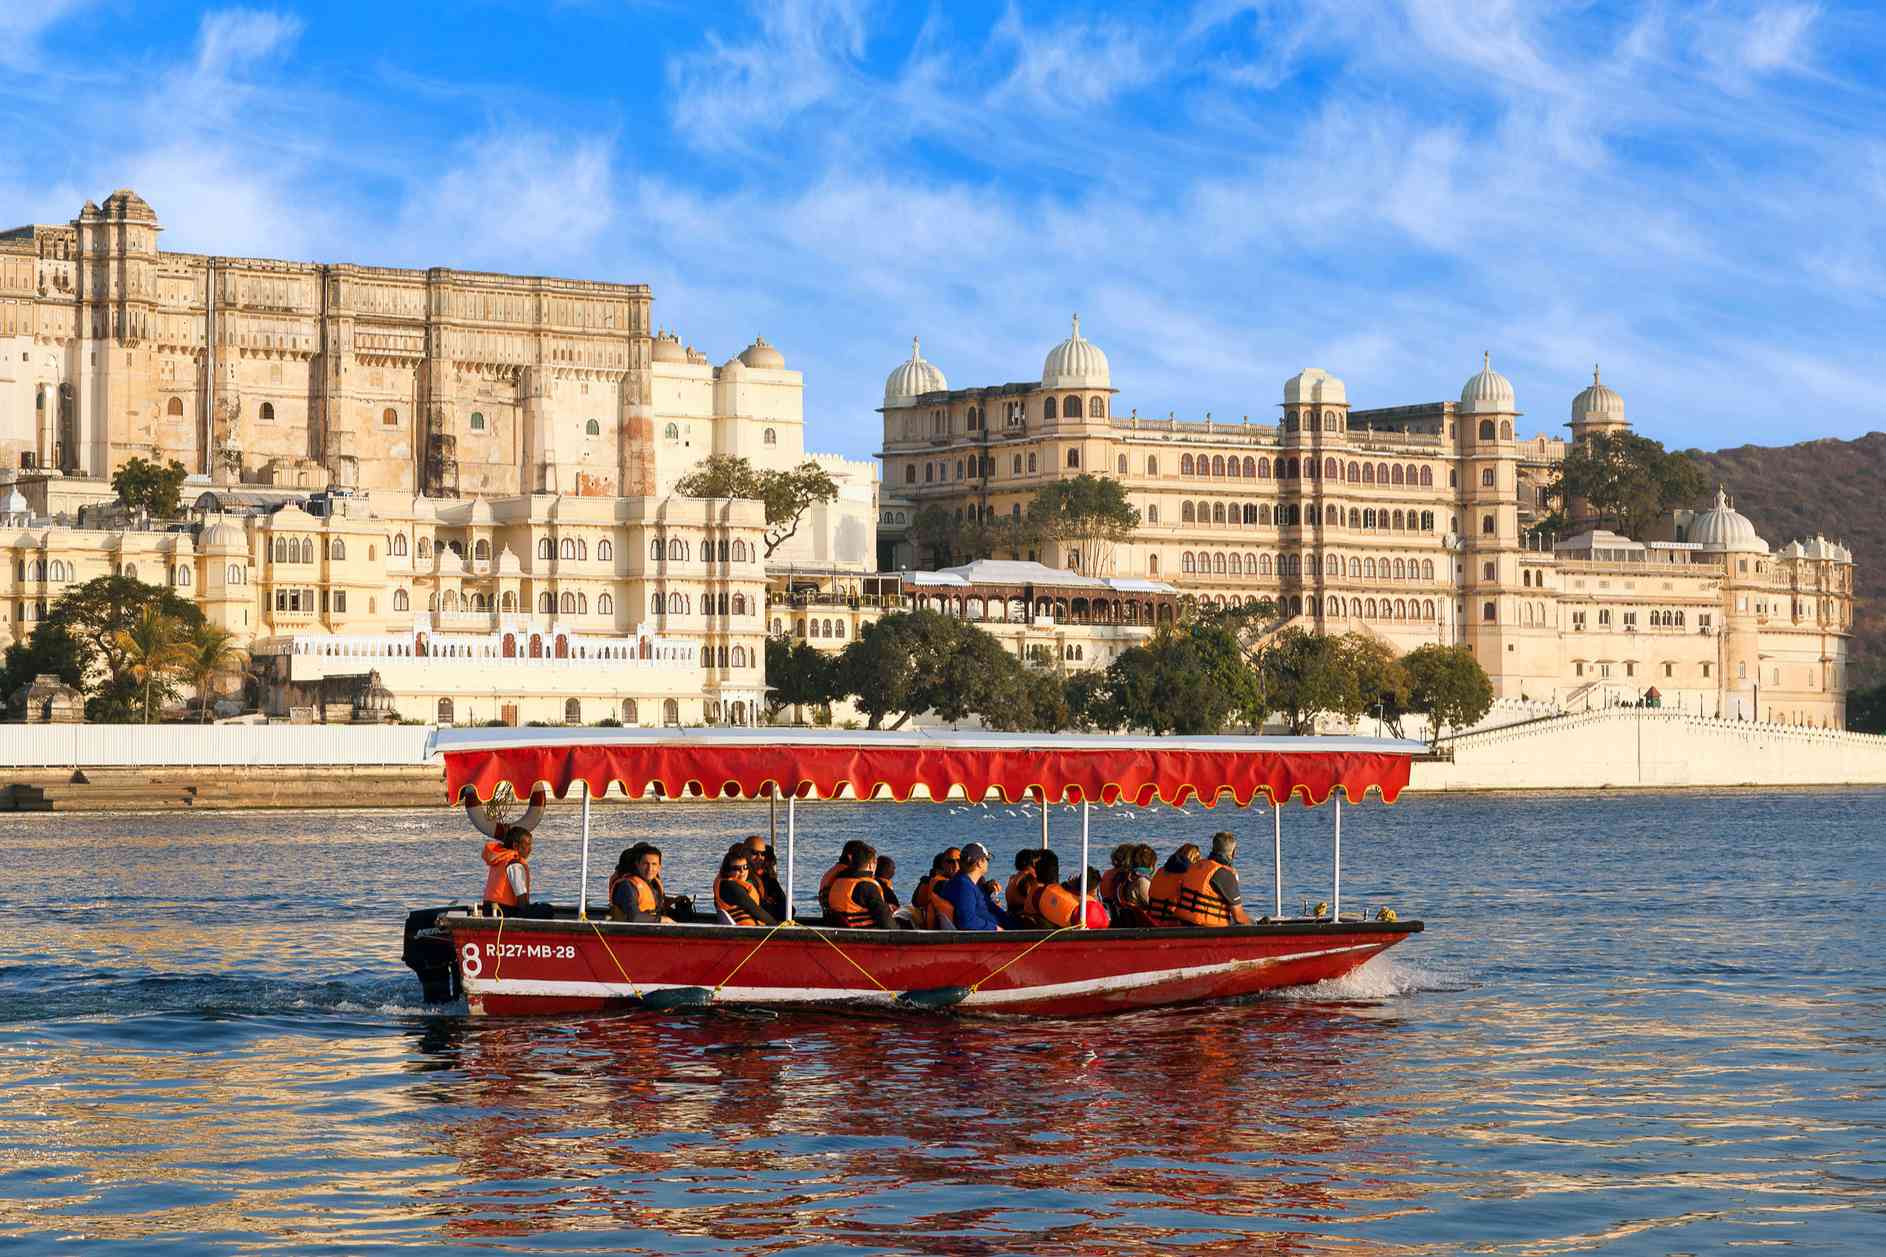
x,y
913,379
667,348
222,535
1076,363
1488,393
1315,386
763,356
1724,530
1597,404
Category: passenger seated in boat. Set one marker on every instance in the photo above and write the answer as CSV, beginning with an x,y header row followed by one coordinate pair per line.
x,y
507,872
1097,916
971,905
763,875
1022,883
635,886
1208,893
1134,893
736,899
1116,871
1050,905
854,900
887,877
931,912
846,855
1162,899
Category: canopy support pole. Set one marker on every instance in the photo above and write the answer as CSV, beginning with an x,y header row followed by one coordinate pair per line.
x,y
1277,858
792,833
1085,809
1335,893
1044,818
772,816
582,895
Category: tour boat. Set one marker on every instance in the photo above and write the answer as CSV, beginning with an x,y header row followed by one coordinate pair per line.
x,y
579,961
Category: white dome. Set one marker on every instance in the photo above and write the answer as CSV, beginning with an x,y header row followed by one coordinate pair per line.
x,y
1724,529
668,348
222,536
1315,385
913,379
1076,363
1488,392
15,503
763,356
1600,401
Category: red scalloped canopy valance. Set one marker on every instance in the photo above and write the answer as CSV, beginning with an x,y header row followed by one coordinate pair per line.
x,y
1136,775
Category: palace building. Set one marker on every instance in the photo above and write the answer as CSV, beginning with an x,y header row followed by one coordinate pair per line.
x,y
461,481
1414,523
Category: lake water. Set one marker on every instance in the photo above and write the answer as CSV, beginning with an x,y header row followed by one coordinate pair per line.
x,y
1634,1025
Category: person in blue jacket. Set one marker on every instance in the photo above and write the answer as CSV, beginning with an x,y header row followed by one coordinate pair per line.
x,y
975,907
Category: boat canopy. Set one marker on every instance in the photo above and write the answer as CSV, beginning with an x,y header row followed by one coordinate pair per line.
x,y
1063,768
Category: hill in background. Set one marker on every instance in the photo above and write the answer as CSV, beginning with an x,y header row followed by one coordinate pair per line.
x,y
1834,488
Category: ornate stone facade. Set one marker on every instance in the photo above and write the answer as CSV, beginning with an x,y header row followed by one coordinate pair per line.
x,y
1414,523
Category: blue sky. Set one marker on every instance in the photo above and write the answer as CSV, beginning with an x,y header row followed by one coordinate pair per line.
x,y
1226,192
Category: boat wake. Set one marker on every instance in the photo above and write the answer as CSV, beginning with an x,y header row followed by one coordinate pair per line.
x,y
50,996
1383,978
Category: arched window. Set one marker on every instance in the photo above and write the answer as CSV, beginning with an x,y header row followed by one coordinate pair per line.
x,y
1188,514
568,549
568,603
1218,465
1331,469
740,550
671,712
307,549
234,575
280,550
1427,477
672,432
1218,564
1487,525
1073,458
677,604
1489,612
1031,464
174,408
337,550
1292,472
181,577
1250,466
604,552
267,413
1355,569
655,604
1427,569
1185,464
1427,521
1233,467
1047,408
1263,469
1263,513
1218,512
1152,565
677,548
1235,564
1332,566
1187,563
402,601
1122,465
425,547
1264,565
389,417
1506,429
1486,429
573,709
1071,407
592,428
1397,520
1152,514
1152,465
445,711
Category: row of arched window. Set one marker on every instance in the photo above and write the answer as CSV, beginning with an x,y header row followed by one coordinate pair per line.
x,y
723,551
53,570
724,657
1337,606
833,629
1291,514
1669,619
1072,407
1221,563
570,548
297,550
1233,468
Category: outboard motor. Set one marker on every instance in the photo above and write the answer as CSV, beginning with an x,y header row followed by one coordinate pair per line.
x,y
428,953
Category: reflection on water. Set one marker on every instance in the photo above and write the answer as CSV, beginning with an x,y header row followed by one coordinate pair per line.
x,y
1648,1026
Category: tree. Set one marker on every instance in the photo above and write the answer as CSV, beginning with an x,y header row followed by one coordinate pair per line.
x,y
1305,674
208,654
797,674
1629,480
787,495
1449,685
1088,512
153,652
911,662
50,650
149,487
1190,678
94,616
1866,709
1382,681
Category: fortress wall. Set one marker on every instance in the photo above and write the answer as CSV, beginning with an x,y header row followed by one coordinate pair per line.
x,y
1631,747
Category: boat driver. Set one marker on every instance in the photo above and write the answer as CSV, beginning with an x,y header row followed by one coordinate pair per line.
x,y
507,879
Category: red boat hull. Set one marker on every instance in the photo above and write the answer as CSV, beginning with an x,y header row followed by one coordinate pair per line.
x,y
523,967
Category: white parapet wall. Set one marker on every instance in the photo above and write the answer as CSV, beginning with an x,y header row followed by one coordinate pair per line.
x,y
209,746
1633,747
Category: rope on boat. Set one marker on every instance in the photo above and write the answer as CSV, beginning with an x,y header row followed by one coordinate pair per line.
x,y
756,947
977,984
498,963
633,989
854,964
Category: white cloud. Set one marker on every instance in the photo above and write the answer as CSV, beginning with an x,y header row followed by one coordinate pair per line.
x,y
734,92
22,22
231,39
511,198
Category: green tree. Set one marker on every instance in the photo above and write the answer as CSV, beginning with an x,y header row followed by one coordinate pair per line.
x,y
1866,709
1088,513
150,487
1305,674
207,655
937,533
1033,700
1382,680
912,662
51,649
94,616
787,495
1629,480
154,655
1190,678
1447,684
797,674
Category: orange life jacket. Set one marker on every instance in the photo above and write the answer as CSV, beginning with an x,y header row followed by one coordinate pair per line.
x,y
738,914
498,890
929,907
645,898
842,907
1054,905
1199,901
890,892
825,883
1162,900
1020,887
1110,885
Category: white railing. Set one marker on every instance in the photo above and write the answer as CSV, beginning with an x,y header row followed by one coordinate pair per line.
x,y
137,746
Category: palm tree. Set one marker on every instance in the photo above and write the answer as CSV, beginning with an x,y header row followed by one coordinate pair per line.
x,y
210,654
153,652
